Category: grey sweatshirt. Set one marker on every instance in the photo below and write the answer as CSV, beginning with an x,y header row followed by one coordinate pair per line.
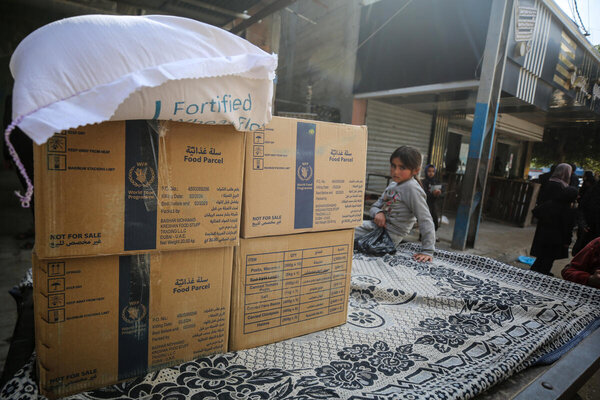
x,y
403,204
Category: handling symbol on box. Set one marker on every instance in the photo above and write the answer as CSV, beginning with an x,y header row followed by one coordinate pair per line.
x,y
57,144
56,300
56,285
258,163
57,315
259,151
56,269
57,162
259,138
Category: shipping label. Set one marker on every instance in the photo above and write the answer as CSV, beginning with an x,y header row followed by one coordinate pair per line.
x,y
290,287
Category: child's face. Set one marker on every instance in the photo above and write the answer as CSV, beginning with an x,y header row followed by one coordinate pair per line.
x,y
430,172
400,173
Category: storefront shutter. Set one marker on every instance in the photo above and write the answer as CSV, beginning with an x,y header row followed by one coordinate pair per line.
x,y
391,126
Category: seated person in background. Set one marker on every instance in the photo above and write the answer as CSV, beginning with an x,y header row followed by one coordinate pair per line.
x,y
402,204
584,268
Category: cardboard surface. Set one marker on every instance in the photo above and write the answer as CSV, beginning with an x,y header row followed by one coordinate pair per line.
x,y
303,176
288,286
100,320
133,186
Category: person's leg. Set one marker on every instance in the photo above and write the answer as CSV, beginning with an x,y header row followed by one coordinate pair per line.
x,y
434,215
397,239
542,265
366,227
431,204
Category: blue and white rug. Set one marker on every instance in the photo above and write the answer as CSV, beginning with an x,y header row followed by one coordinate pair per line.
x,y
444,330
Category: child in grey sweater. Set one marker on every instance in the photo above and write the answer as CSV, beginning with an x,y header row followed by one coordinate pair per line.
x,y
403,203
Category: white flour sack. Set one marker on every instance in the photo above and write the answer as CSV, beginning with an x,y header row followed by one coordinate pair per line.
x,y
94,68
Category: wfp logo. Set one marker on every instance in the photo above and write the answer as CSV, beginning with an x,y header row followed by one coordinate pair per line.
x,y
305,172
141,175
133,313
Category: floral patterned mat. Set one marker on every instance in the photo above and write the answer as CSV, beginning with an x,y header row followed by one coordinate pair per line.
x,y
444,330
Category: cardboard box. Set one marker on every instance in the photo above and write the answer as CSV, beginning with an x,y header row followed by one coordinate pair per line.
x,y
287,286
99,320
133,186
303,176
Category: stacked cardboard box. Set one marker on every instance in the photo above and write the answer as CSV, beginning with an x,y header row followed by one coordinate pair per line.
x,y
303,176
104,319
300,176
133,186
135,223
110,302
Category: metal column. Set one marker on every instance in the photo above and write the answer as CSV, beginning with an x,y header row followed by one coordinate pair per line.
x,y
488,98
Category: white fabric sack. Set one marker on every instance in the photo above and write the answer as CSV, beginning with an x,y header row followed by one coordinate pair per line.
x,y
94,68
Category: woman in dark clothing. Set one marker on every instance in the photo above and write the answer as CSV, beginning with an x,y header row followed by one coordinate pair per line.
x,y
558,181
556,219
433,189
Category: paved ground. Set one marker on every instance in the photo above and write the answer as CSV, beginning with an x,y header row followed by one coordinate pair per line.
x,y
499,241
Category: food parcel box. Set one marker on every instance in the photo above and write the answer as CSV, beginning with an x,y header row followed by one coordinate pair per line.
x,y
287,286
303,176
99,320
132,186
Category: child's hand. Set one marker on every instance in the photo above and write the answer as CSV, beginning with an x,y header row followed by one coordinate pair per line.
x,y
380,219
420,257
